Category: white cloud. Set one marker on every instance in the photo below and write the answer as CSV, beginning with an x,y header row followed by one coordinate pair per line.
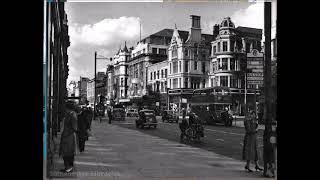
x,y
105,37
106,32
253,16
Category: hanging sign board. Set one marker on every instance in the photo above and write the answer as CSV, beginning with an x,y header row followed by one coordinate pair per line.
x,y
255,61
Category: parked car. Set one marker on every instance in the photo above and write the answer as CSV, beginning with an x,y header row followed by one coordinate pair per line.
x,y
132,113
169,116
118,114
146,118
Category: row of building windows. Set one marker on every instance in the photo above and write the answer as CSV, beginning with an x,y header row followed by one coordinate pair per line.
x,y
176,66
162,51
226,64
160,87
225,44
174,52
156,74
227,81
195,84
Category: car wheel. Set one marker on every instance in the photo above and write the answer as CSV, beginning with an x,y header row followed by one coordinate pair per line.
x,y
155,126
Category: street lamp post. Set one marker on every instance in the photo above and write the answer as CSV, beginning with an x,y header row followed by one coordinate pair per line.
x,y
95,80
95,75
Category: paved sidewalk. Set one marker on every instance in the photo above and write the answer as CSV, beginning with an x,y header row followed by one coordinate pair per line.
x,y
114,152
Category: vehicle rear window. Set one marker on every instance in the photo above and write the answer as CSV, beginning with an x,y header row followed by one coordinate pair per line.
x,y
148,113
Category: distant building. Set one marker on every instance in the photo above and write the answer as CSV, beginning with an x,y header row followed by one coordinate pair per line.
x,y
110,85
157,80
90,91
149,50
83,88
120,74
100,86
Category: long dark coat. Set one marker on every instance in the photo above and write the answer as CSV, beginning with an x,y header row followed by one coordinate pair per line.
x,y
250,142
83,126
68,136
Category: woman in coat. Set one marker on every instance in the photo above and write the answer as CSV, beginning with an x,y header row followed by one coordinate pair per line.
x,y
250,144
68,143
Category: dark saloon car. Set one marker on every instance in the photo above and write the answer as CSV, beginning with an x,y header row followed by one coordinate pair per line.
x,y
146,118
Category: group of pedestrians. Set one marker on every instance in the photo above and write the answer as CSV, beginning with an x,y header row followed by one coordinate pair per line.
x,y
76,127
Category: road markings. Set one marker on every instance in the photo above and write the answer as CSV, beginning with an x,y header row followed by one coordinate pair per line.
x,y
224,132
220,140
94,164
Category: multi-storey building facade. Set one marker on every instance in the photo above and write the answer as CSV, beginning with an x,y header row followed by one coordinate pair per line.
x,y
188,61
228,58
90,91
120,68
149,50
157,80
110,83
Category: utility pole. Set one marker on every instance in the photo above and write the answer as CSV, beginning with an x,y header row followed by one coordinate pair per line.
x,y
267,147
95,76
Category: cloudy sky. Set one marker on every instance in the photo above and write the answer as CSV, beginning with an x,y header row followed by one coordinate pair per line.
x,y
104,26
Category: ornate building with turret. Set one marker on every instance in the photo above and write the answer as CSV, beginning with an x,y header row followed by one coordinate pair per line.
x,y
228,58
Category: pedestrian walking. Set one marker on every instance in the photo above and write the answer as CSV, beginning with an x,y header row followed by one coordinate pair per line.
x,y
109,115
83,127
183,124
100,111
250,144
68,142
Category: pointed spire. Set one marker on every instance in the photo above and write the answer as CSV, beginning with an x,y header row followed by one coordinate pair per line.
x,y
125,49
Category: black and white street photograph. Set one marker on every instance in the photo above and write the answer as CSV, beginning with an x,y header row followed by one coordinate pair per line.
x,y
160,89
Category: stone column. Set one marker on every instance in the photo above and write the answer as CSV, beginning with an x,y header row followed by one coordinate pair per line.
x,y
243,44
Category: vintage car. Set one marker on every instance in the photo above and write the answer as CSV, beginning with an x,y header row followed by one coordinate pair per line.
x,y
132,113
118,114
169,116
146,118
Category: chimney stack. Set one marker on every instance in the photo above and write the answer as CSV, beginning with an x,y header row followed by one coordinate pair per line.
x,y
195,28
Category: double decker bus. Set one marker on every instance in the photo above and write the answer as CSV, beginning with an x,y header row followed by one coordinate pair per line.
x,y
210,105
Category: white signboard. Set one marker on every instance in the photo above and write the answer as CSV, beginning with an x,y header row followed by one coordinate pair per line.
x,y
255,67
183,100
